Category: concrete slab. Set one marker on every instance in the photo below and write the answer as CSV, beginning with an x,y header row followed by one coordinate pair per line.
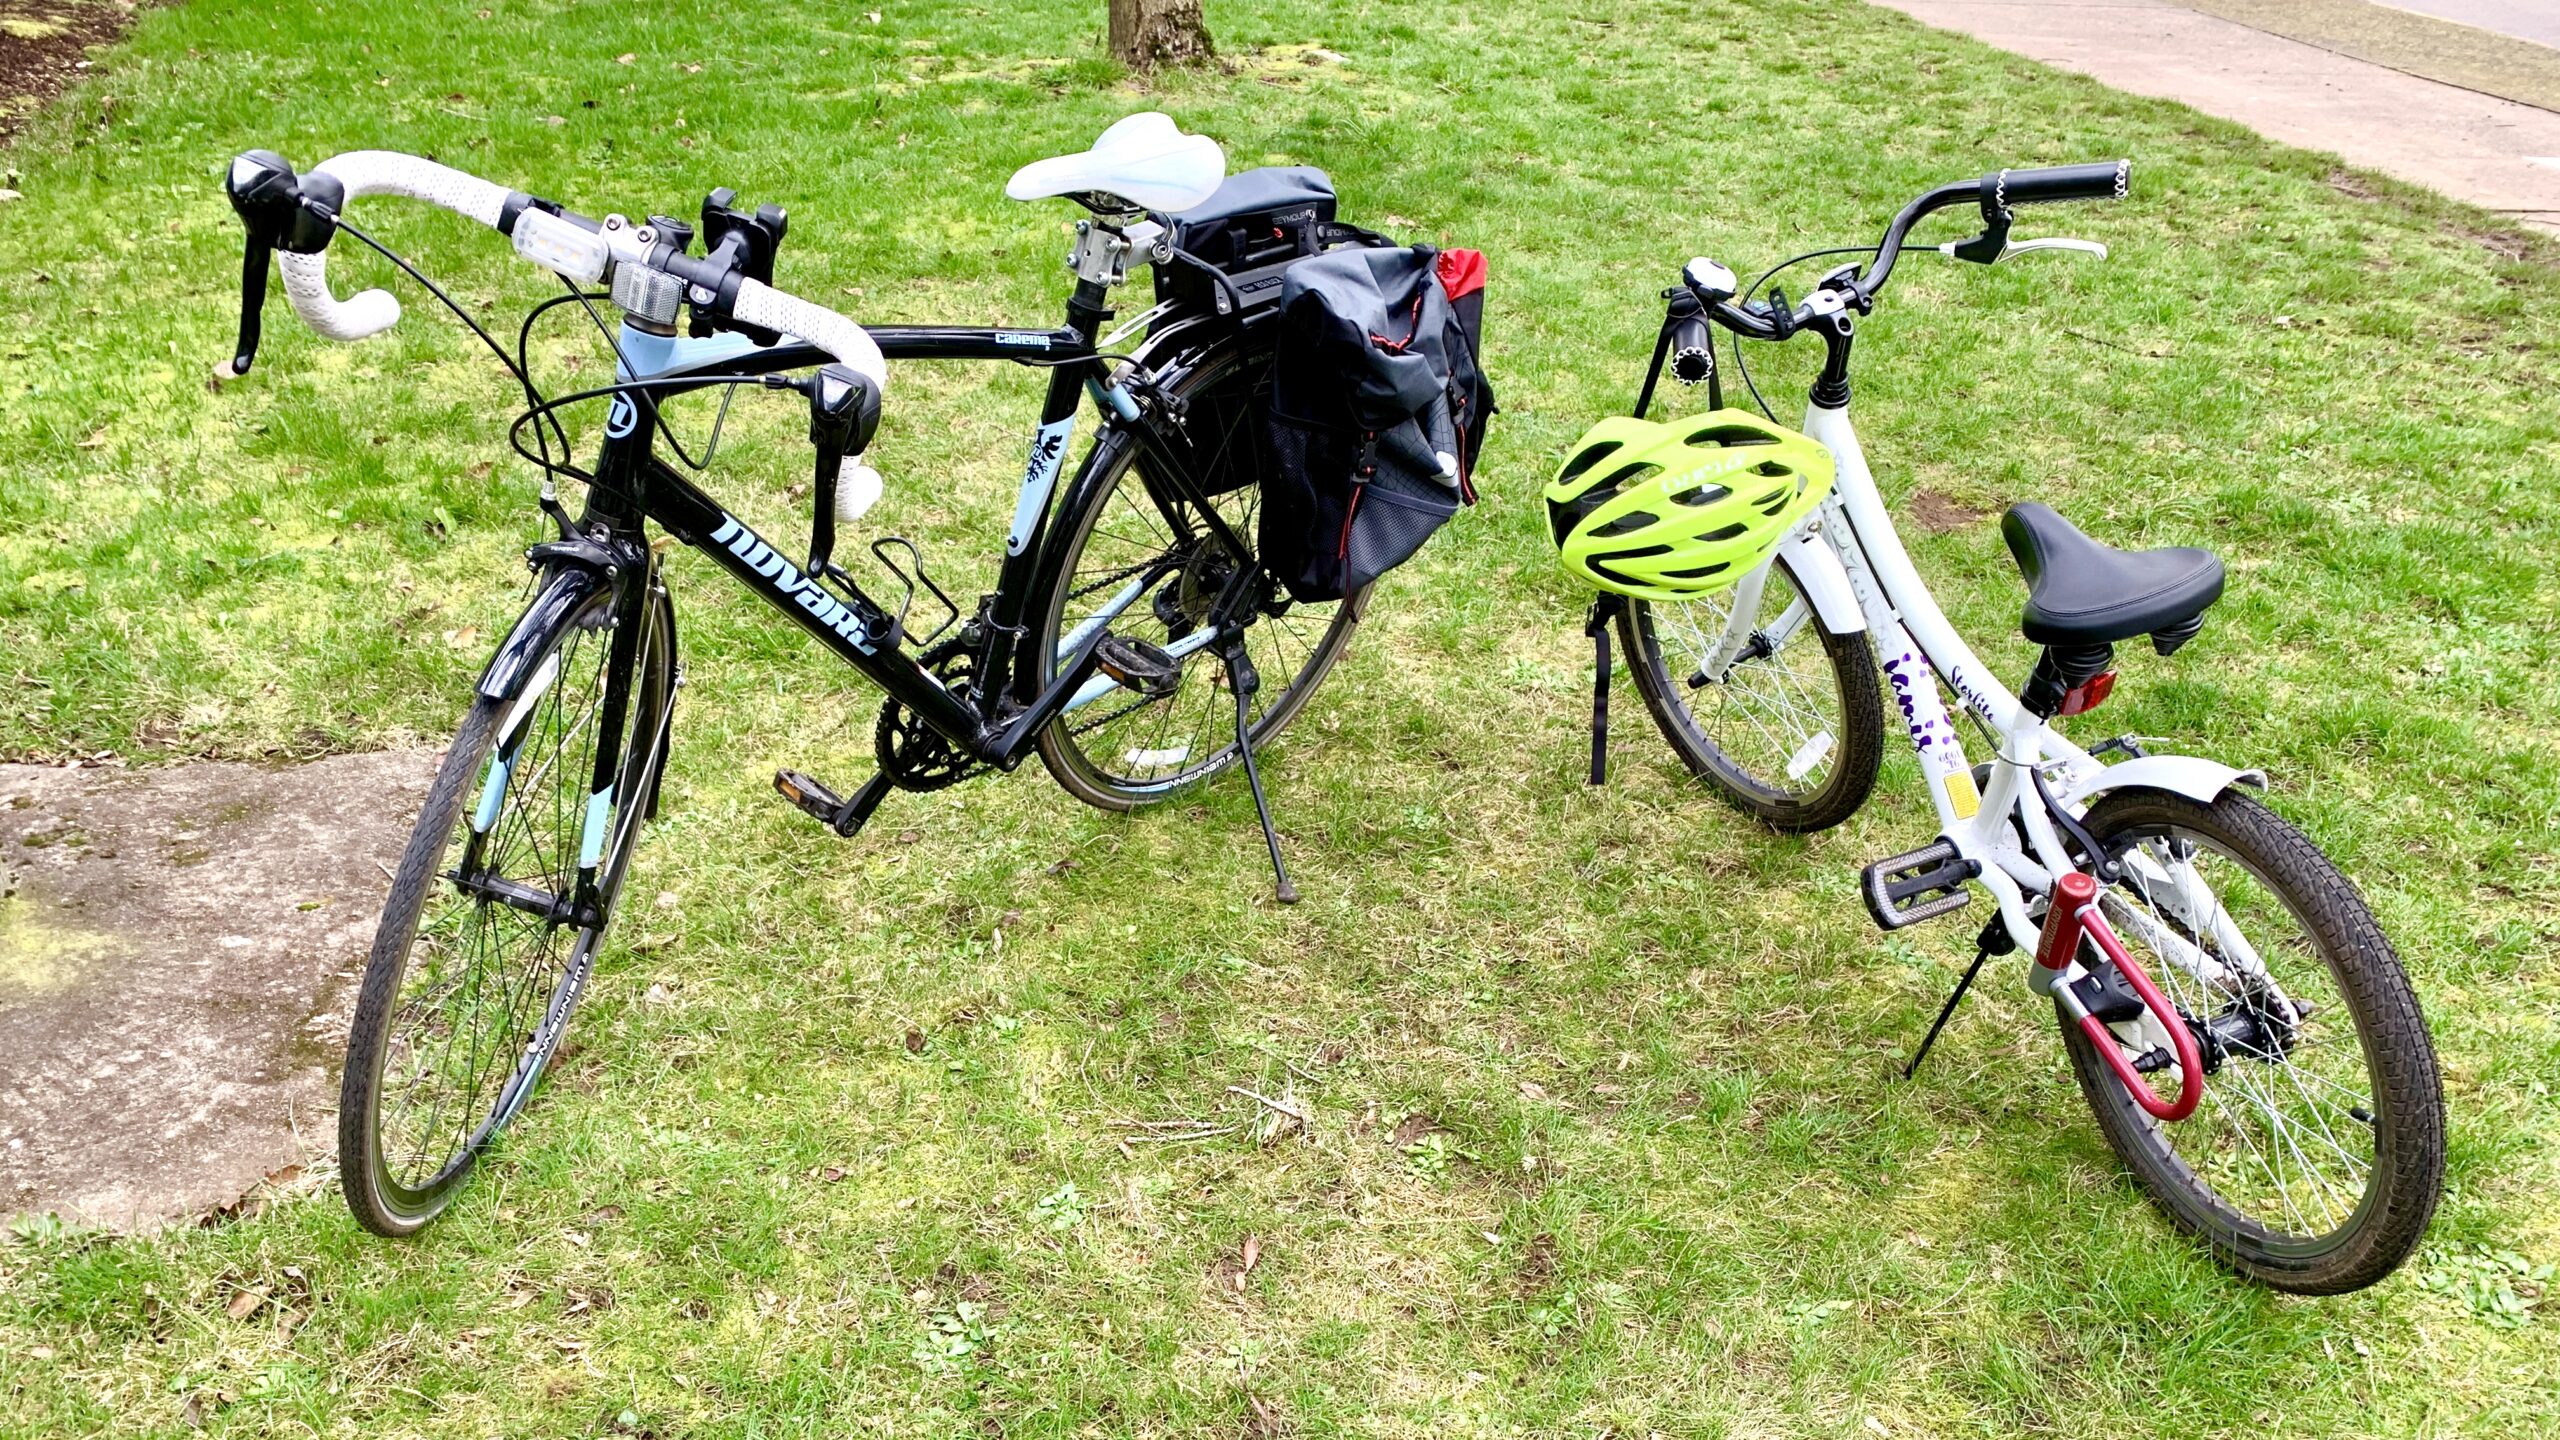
x,y
178,951
2475,147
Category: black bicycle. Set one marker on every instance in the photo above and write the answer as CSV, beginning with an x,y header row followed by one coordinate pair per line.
x,y
1133,639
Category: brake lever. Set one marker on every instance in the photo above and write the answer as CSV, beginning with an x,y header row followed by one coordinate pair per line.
x,y
2008,248
279,210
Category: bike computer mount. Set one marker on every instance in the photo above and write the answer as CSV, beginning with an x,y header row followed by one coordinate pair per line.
x,y
744,245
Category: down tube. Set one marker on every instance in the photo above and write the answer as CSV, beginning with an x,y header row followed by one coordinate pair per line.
x,y
1892,571
855,630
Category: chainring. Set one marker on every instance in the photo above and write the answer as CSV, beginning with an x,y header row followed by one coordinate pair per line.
x,y
913,754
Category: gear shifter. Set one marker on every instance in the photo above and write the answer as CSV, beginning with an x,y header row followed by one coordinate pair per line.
x,y
280,211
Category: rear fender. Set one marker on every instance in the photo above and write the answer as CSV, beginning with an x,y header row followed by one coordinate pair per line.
x,y
2202,781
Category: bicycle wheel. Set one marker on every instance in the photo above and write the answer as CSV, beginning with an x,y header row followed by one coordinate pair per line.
x,y
1119,523
478,962
1792,732
2317,1155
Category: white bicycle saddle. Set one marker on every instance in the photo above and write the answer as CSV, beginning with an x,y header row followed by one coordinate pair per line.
x,y
1143,160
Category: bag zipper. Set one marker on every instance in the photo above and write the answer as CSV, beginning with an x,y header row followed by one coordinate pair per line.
x,y
1359,487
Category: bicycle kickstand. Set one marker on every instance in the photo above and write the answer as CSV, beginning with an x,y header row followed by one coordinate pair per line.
x,y
1604,611
1994,941
1244,680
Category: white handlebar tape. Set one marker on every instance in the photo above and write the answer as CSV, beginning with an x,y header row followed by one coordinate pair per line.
x,y
857,490
306,284
760,304
388,172
379,172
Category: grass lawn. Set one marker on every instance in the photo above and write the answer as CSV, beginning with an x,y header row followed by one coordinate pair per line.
x,y
835,1151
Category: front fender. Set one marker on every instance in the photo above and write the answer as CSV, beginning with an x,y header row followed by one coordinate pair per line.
x,y
1824,583
568,592
2199,780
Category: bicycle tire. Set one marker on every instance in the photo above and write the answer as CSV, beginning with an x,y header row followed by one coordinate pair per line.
x,y
1223,394
2405,1096
1756,783
393,1198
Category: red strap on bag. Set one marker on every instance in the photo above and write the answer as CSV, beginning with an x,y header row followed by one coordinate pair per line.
x,y
1461,273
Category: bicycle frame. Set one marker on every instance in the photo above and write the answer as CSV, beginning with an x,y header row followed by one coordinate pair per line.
x,y
1856,575
632,484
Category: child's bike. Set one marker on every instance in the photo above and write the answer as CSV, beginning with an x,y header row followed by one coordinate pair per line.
x,y
1135,641
2235,1017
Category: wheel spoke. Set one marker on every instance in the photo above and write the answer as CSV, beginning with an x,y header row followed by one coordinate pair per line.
x,y
2214,930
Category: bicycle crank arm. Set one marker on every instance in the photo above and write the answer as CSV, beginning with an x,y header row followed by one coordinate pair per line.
x,y
1006,749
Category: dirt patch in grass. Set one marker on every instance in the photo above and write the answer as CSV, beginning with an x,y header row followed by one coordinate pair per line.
x,y
44,44
1938,514
177,955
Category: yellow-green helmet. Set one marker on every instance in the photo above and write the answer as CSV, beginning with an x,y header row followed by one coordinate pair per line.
x,y
1674,511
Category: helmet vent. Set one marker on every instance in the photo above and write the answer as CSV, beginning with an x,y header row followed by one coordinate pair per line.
x,y
1701,573
1626,524
1771,468
1730,435
1704,495
1627,475
1588,458
1727,533
1600,567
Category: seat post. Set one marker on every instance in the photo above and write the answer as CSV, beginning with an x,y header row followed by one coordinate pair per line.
x,y
2060,670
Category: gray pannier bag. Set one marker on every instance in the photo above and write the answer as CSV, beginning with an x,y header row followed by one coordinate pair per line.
x,y
1377,407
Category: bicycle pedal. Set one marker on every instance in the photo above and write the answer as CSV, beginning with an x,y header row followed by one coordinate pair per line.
x,y
1138,665
1924,884
820,802
809,793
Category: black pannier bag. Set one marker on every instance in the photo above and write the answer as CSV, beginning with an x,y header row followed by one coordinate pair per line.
x,y
1378,404
1229,253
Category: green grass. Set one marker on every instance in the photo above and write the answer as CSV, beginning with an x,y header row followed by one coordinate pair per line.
x,y
1676,1188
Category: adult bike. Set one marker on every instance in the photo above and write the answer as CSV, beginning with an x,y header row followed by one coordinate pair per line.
x,y
2235,1017
1133,641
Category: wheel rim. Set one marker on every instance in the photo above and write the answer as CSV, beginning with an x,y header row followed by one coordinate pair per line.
x,y
1775,720
487,987
1144,748
2276,1140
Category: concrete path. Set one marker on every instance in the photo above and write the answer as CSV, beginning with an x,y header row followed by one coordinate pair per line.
x,y
2535,20
177,955
2493,152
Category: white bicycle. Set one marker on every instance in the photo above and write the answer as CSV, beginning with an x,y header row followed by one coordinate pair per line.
x,y
2281,1098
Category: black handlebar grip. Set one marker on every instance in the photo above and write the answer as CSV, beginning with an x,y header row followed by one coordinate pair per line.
x,y
2104,180
1693,349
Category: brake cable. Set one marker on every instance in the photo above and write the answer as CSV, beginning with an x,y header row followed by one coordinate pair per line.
x,y
1744,366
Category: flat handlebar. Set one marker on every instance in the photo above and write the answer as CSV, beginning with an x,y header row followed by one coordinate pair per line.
x,y
1994,193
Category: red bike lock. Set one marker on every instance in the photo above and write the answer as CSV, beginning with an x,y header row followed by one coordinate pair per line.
x,y
2074,913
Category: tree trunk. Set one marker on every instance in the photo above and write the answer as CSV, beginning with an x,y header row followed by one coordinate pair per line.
x,y
1149,33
